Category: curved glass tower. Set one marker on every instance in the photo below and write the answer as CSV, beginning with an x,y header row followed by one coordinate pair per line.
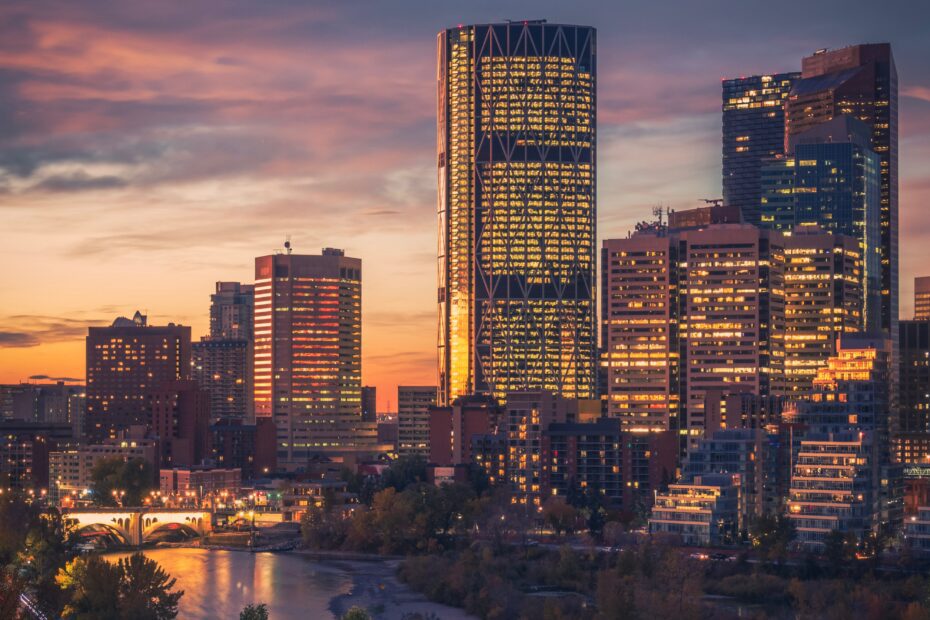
x,y
517,213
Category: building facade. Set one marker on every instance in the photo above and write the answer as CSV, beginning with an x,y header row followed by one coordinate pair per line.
x,y
860,81
413,405
308,351
912,431
126,362
517,214
922,298
753,130
223,368
703,512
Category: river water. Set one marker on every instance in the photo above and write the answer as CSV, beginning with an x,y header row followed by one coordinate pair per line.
x,y
218,584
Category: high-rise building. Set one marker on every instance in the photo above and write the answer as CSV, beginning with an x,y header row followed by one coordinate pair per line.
x,y
308,346
823,300
731,313
517,177
688,308
753,130
223,368
413,404
231,309
912,432
453,429
860,81
222,361
639,314
922,298
370,403
830,179
126,362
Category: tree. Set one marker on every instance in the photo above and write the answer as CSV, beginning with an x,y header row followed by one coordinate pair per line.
x,y
773,535
254,612
405,471
11,586
839,548
135,588
115,481
146,589
560,515
356,613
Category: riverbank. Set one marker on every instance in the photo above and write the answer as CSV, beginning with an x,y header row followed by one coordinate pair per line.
x,y
375,587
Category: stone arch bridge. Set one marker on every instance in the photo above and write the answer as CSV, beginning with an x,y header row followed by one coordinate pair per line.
x,y
137,524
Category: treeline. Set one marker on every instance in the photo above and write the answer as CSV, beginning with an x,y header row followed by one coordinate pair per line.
x,y
654,581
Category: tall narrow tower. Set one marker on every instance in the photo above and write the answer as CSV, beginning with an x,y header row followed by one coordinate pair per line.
x,y
308,351
517,214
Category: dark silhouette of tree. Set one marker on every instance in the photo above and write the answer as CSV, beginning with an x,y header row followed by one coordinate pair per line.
x,y
254,612
131,481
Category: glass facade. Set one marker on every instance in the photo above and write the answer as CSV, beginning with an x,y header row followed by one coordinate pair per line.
x,y
860,81
516,171
753,130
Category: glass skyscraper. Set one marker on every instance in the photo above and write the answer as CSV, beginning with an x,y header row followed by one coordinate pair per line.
x,y
753,130
860,81
831,179
516,173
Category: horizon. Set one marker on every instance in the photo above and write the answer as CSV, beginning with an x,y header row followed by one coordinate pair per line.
x,y
160,150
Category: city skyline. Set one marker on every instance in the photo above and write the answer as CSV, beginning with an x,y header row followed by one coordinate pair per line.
x,y
80,150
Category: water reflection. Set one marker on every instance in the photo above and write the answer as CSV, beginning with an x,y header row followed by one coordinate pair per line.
x,y
218,584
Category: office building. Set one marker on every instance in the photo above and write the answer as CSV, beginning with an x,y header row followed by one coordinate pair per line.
x,y
370,403
250,448
517,215
125,363
24,450
860,81
180,420
731,314
753,130
202,483
823,301
640,331
489,452
413,405
308,346
703,512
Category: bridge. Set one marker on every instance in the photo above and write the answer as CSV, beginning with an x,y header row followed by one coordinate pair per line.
x,y
136,525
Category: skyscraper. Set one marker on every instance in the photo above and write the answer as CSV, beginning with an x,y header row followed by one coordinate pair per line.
x,y
830,179
517,215
912,436
369,403
823,300
861,81
126,362
753,129
308,346
223,361
640,331
231,308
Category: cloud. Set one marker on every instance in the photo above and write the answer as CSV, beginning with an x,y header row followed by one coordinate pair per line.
x,y
80,181
27,330
49,378
17,340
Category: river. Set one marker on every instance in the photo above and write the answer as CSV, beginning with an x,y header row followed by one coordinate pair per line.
x,y
218,584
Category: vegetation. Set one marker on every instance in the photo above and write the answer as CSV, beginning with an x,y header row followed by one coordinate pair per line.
x,y
254,612
118,482
356,613
135,588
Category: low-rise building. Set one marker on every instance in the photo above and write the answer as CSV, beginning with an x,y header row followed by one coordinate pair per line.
x,y
702,512
917,530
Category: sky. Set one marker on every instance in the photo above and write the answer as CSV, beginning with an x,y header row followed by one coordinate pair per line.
x,y
150,149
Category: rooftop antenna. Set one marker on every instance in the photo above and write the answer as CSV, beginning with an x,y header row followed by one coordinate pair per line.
x,y
657,212
287,244
716,202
